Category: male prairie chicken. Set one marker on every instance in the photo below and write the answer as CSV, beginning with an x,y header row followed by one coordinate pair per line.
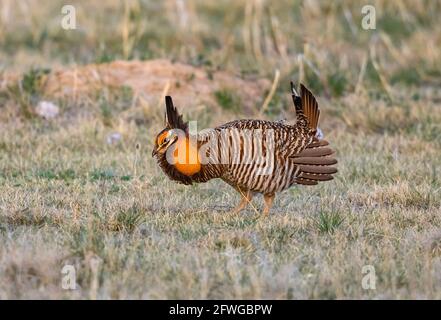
x,y
253,156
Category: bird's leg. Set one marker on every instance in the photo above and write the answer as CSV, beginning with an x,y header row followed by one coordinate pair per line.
x,y
245,199
268,203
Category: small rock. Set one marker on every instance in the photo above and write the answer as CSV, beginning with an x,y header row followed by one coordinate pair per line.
x,y
47,110
319,134
114,137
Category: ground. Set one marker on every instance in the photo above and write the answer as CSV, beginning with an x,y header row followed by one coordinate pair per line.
x,y
81,188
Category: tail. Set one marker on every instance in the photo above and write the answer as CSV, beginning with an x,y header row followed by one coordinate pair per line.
x,y
306,105
315,162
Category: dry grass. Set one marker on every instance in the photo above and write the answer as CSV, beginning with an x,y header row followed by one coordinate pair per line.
x,y
69,197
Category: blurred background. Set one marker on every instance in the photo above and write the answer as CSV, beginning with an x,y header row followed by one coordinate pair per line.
x,y
79,110
322,44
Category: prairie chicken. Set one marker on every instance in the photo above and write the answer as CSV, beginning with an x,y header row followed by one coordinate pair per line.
x,y
253,156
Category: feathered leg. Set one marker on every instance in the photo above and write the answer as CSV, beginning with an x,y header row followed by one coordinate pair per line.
x,y
245,199
269,198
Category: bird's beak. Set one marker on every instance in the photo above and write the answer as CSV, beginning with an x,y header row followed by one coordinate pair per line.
x,y
154,152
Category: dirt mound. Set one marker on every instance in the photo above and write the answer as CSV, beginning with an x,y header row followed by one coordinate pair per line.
x,y
153,79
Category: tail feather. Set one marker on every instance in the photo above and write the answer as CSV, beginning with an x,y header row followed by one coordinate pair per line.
x,y
310,107
318,143
316,176
296,99
317,169
307,105
315,152
307,182
315,163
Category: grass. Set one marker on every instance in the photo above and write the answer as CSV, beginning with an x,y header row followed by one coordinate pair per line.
x,y
328,221
227,99
69,197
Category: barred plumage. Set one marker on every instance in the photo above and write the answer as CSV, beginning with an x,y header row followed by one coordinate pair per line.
x,y
253,156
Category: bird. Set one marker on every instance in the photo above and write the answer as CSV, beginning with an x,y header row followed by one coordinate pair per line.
x,y
253,156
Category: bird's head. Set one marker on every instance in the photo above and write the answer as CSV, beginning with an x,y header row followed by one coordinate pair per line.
x,y
174,128
164,140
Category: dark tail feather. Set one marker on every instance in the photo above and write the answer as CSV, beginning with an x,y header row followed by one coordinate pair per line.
x,y
174,119
296,99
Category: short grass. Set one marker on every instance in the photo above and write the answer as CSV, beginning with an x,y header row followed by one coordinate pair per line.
x,y
67,197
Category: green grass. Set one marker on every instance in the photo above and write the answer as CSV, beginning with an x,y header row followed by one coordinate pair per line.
x,y
328,221
69,197
227,99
